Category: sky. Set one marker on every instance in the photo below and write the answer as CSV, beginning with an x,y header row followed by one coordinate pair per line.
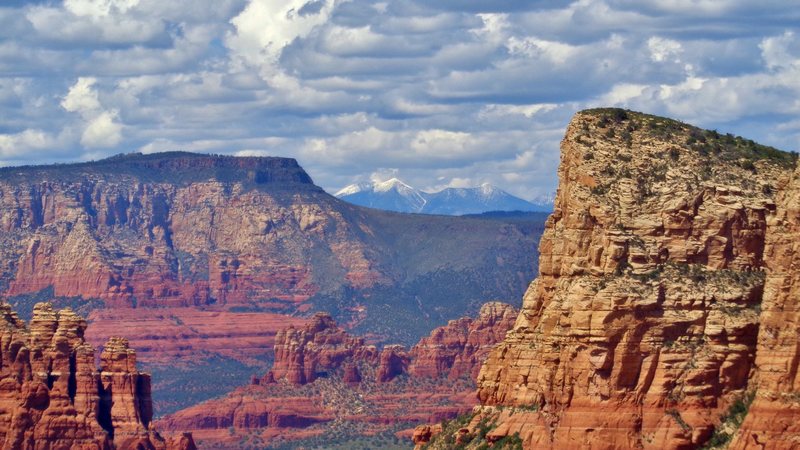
x,y
446,93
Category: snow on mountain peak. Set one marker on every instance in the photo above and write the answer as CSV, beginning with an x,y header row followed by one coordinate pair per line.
x,y
487,189
394,183
353,189
394,195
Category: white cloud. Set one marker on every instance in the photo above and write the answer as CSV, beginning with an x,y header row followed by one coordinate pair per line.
x,y
102,131
265,27
781,52
662,50
447,93
98,8
82,98
13,146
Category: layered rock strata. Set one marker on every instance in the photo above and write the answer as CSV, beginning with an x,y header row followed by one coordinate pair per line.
x,y
773,420
640,331
459,348
182,229
319,348
322,377
53,396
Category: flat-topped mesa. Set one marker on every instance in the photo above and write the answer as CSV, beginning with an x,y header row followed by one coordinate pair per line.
x,y
177,168
459,348
53,396
640,330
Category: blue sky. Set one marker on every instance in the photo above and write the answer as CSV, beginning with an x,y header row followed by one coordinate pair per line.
x,y
454,94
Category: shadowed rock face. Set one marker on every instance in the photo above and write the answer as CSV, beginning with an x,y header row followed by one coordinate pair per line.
x,y
641,329
53,396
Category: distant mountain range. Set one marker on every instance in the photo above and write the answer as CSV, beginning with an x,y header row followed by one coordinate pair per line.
x,y
394,195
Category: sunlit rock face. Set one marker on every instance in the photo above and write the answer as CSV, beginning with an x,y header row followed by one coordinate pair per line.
x,y
642,328
53,396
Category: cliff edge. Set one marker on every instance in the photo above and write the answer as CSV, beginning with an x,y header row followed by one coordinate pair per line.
x,y
646,324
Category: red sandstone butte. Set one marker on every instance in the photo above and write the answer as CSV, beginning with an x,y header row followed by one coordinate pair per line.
x,y
52,396
667,274
459,348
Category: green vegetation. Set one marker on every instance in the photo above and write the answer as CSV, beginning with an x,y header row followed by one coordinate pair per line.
x,y
23,303
675,414
727,147
451,438
178,387
730,422
345,437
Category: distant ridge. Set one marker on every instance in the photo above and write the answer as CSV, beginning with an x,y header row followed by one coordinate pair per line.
x,y
395,195
174,167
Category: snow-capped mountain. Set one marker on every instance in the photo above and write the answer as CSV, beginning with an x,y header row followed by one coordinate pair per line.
x,y
394,195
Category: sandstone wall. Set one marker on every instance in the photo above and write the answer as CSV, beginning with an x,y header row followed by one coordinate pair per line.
x,y
640,330
458,349
773,421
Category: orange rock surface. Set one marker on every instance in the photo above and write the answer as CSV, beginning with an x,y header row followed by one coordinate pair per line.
x,y
773,421
640,330
320,347
52,396
459,348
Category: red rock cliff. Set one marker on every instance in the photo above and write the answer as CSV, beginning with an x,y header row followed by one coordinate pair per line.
x,y
180,229
640,330
302,355
52,396
459,348
773,421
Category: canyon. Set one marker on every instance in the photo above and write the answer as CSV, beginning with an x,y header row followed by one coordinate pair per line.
x,y
326,382
199,260
662,316
53,396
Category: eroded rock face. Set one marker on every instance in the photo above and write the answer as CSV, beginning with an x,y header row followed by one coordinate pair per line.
x,y
773,421
641,327
353,382
459,348
173,231
316,350
180,229
394,361
423,434
52,395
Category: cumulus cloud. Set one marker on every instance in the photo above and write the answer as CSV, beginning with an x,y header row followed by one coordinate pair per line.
x,y
448,93
82,98
101,129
